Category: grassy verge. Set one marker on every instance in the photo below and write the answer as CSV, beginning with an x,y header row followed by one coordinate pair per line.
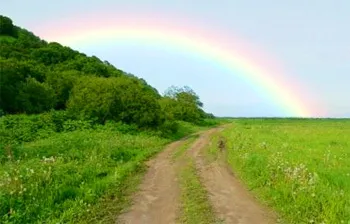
x,y
301,168
58,179
113,202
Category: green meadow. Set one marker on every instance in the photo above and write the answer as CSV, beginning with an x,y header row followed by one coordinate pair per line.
x,y
298,167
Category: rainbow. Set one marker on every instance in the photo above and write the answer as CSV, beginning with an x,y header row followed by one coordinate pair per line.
x,y
260,71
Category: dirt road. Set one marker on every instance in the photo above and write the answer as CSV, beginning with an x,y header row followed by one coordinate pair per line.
x,y
158,200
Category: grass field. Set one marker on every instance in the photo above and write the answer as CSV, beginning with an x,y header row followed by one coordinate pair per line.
x,y
301,168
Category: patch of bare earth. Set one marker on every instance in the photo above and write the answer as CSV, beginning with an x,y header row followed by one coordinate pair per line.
x,y
157,200
231,201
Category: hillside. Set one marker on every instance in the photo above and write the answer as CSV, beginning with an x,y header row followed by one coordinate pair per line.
x,y
37,76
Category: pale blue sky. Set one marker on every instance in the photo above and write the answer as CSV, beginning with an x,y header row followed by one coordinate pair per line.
x,y
310,38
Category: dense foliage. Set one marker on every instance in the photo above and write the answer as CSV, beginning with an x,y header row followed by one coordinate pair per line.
x,y
37,77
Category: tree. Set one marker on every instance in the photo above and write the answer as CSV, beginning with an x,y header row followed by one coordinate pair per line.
x,y
13,74
62,83
120,99
182,104
35,97
93,97
139,103
7,27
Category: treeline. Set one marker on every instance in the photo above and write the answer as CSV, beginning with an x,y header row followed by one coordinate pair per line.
x,y
37,77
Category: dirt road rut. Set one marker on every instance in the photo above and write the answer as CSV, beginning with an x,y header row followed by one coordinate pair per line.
x,y
157,200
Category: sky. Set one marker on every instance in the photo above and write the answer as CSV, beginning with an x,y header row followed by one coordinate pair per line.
x,y
309,40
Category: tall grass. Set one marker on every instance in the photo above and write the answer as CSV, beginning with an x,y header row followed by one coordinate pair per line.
x,y
57,179
299,167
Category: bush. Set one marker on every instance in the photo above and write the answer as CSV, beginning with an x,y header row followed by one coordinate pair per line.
x,y
121,127
168,128
26,128
35,97
73,125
